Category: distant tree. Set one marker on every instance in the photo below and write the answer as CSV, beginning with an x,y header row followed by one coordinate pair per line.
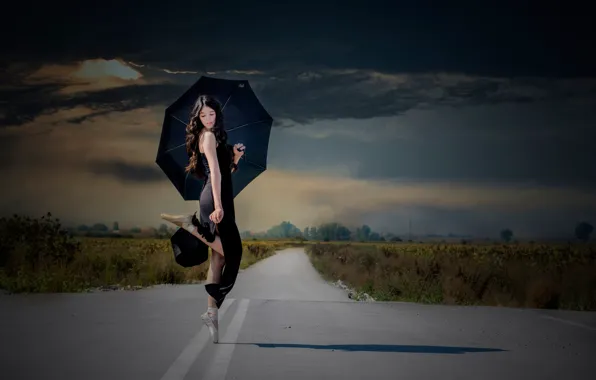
x,y
116,227
284,230
363,233
83,228
583,230
326,231
100,227
163,228
329,231
135,230
506,234
343,233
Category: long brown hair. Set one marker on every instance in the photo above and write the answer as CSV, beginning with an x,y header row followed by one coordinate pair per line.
x,y
193,131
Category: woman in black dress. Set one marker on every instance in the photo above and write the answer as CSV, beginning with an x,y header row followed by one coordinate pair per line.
x,y
213,160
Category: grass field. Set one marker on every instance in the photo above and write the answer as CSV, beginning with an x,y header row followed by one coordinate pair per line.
x,y
110,263
557,276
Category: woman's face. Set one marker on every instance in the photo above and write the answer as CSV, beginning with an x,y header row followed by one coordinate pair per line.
x,y
207,116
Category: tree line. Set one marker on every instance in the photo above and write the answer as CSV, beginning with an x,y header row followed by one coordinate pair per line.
x,y
332,231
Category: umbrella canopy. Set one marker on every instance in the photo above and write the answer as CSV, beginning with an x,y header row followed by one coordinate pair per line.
x,y
245,120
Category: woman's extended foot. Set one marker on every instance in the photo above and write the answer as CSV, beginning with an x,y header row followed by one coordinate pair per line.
x,y
183,221
210,319
191,224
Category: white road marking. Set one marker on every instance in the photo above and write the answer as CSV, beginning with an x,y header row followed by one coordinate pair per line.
x,y
182,364
223,352
577,324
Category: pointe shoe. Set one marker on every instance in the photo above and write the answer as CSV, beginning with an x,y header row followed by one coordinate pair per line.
x,y
183,221
211,321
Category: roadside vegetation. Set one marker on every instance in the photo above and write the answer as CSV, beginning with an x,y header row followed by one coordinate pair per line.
x,y
534,275
38,255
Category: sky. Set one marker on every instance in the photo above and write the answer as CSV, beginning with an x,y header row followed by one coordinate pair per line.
x,y
465,119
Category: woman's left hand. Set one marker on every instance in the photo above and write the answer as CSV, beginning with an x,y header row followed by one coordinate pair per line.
x,y
217,215
239,150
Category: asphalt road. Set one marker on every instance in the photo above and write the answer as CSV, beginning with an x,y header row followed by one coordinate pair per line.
x,y
282,321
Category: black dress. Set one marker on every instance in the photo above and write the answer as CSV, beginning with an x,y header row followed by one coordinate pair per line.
x,y
226,229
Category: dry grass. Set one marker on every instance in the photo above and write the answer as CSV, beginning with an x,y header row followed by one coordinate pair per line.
x,y
36,256
557,276
108,262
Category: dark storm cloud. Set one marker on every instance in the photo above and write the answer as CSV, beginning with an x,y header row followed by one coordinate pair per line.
x,y
128,98
127,172
25,104
300,97
302,54
21,102
362,95
502,39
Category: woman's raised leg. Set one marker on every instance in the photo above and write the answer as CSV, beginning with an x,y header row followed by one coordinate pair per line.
x,y
185,221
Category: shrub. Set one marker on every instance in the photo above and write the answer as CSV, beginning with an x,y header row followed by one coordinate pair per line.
x,y
35,244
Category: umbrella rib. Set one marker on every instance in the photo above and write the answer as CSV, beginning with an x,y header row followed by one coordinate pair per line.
x,y
179,146
228,99
254,163
176,147
175,118
247,124
185,179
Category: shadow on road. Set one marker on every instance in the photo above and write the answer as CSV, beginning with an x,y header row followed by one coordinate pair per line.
x,y
377,348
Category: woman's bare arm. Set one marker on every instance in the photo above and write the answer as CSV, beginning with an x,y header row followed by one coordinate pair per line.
x,y
209,146
235,161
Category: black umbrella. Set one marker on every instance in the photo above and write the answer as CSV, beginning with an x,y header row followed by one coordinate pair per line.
x,y
245,120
